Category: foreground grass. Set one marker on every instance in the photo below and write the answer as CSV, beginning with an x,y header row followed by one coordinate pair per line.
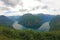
x,y
12,34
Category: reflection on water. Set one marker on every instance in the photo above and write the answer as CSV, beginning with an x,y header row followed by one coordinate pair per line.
x,y
45,27
17,26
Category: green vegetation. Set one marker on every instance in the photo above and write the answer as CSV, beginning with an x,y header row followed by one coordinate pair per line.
x,y
5,21
30,21
55,23
7,33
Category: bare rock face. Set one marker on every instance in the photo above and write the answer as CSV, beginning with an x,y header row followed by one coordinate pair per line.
x,y
45,27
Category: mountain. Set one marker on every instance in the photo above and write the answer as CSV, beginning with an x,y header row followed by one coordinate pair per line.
x,y
30,21
45,17
5,21
14,18
55,23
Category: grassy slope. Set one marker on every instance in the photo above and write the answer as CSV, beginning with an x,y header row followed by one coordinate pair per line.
x,y
12,34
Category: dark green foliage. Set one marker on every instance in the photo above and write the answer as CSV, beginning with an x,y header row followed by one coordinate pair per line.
x,y
5,21
12,34
30,21
55,23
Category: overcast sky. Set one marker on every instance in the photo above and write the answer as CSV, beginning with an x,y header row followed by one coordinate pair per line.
x,y
20,7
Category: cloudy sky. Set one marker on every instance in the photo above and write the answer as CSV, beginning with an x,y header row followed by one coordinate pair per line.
x,y
20,7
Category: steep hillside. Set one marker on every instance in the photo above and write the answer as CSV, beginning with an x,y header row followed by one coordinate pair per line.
x,y
12,34
45,17
55,23
14,18
5,21
30,21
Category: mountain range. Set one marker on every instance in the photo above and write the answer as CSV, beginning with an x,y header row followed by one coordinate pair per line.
x,y
44,19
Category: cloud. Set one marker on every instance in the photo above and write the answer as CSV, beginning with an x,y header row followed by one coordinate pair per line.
x,y
11,2
20,7
53,6
3,8
52,3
